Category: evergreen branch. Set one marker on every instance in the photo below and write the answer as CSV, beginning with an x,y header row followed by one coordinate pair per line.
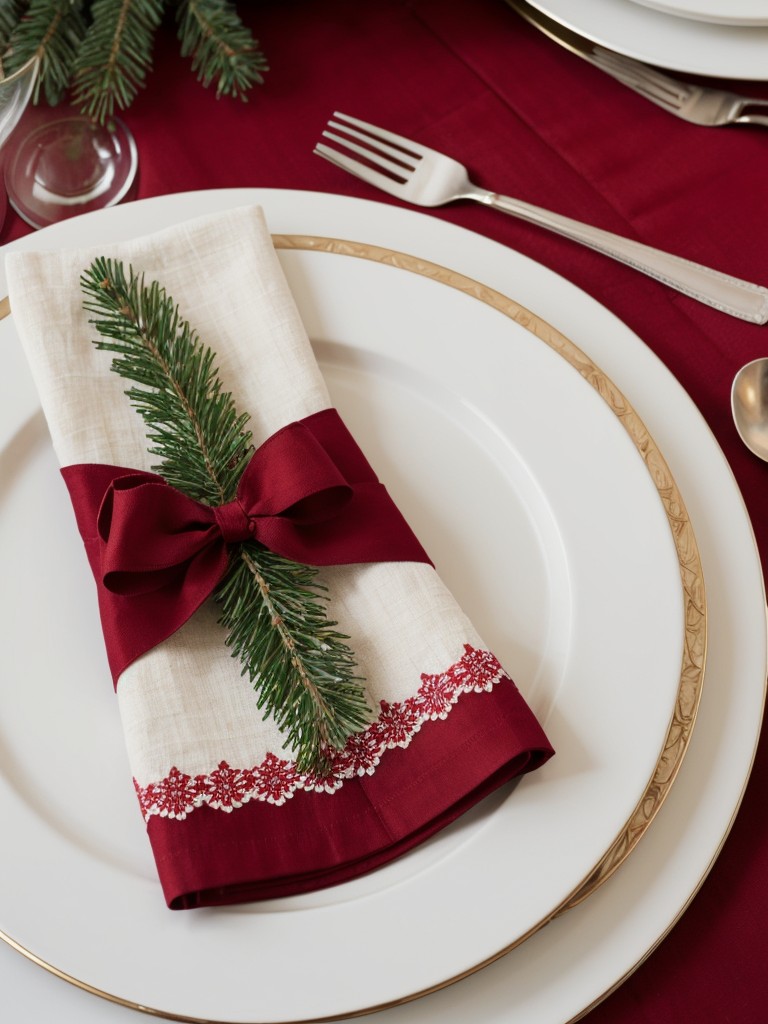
x,y
52,30
10,15
221,47
192,425
103,48
304,671
113,61
273,608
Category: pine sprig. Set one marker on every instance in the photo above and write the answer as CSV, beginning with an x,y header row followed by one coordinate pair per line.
x,y
273,609
221,47
304,670
102,49
53,30
114,59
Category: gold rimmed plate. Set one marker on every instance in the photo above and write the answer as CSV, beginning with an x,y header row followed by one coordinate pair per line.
x,y
475,411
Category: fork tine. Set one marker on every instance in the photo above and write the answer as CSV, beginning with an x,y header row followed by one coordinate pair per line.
x,y
370,154
667,103
653,83
352,166
661,97
413,148
665,84
639,84
397,154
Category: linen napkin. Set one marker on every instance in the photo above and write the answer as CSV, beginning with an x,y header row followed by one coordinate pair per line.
x,y
229,816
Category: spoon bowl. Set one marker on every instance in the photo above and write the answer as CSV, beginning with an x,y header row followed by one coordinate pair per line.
x,y
749,405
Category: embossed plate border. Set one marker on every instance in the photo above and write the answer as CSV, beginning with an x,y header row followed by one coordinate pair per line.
x,y
691,573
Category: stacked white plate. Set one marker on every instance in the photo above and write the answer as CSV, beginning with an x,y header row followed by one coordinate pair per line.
x,y
720,38
720,12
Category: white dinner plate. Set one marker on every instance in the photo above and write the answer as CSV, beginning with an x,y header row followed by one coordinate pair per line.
x,y
572,962
550,514
725,12
680,44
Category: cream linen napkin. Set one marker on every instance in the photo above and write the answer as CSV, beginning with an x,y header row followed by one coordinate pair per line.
x,y
222,800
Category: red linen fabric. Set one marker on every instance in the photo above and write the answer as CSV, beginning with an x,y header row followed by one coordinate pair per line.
x,y
261,851
532,120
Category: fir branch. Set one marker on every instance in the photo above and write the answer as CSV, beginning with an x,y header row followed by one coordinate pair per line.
x,y
304,670
222,48
103,48
192,425
52,30
10,15
273,608
113,61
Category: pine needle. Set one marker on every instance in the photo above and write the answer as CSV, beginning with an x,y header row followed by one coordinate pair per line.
x,y
53,30
114,58
10,13
102,49
274,609
221,47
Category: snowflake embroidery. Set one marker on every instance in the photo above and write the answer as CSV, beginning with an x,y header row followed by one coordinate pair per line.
x,y
175,795
480,669
227,787
361,754
146,797
398,722
324,783
275,780
436,695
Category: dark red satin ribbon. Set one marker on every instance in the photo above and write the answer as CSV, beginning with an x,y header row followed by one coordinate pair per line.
x,y
308,493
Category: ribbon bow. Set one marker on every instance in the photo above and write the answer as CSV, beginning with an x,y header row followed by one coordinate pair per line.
x,y
307,493
153,535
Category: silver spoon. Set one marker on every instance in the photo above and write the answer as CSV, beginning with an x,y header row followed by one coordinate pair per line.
x,y
749,405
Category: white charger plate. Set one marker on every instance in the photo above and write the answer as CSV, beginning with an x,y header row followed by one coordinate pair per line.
x,y
572,962
680,44
724,12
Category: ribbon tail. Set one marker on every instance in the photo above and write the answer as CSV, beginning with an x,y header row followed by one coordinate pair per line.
x,y
163,611
369,528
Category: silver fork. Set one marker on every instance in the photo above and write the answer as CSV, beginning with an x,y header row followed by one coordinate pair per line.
x,y
697,104
417,174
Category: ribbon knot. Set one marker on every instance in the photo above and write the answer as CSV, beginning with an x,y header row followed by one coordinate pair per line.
x,y
307,493
234,522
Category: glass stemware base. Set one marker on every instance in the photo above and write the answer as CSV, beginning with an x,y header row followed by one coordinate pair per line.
x,y
69,165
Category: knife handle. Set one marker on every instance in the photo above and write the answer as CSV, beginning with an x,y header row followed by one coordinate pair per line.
x,y
729,294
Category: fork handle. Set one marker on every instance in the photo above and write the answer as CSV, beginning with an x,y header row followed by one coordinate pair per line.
x,y
728,294
745,111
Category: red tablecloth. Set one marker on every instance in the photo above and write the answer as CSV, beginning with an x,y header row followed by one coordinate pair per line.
x,y
471,78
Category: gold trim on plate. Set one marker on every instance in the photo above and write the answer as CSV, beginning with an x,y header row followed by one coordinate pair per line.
x,y
695,614
694,651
